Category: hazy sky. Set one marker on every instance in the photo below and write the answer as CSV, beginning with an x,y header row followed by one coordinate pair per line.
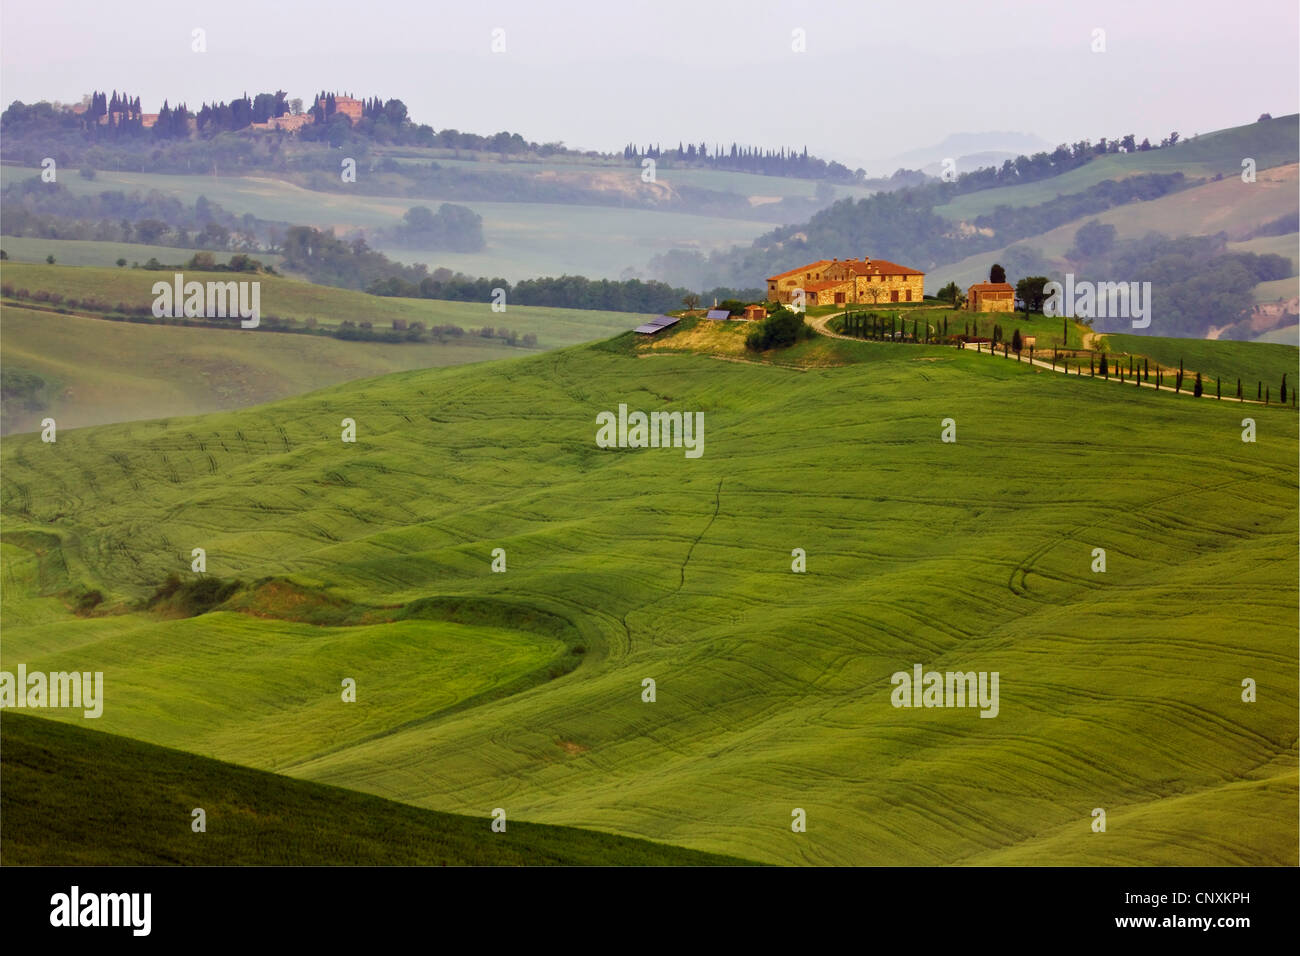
x,y
876,79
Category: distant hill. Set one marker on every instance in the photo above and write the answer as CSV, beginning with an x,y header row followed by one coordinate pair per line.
x,y
87,370
967,148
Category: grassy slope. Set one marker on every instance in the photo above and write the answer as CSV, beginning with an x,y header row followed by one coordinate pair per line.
x,y
102,371
1230,205
81,252
74,797
524,239
1273,143
1250,361
1277,289
1287,246
291,298
1118,690
721,180
1286,336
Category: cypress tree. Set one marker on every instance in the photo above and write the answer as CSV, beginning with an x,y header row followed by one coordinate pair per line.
x,y
1146,371
1283,392
1105,367
1197,390
1259,391
1217,394
1265,396
1239,398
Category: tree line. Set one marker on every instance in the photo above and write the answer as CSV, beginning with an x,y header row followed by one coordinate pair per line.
x,y
562,292
751,159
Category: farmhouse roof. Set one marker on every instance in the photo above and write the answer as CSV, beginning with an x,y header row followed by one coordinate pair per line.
x,y
991,287
880,267
808,268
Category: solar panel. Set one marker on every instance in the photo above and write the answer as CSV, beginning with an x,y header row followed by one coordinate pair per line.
x,y
718,315
655,325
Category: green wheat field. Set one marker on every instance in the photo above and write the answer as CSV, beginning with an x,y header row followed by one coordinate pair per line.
x,y
523,690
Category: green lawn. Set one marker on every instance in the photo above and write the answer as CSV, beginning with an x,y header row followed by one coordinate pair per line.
x,y
1119,690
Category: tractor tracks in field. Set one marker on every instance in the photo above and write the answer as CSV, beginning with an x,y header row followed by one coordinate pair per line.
x,y
717,507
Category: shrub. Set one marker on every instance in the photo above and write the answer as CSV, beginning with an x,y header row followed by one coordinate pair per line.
x,y
88,601
779,330
193,597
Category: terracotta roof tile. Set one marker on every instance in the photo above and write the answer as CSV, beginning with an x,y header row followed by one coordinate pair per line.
x,y
820,263
881,267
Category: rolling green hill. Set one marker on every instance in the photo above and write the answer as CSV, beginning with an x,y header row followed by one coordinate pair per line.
x,y
1229,206
1119,690
1251,362
81,252
74,797
328,305
95,371
524,240
91,371
1272,143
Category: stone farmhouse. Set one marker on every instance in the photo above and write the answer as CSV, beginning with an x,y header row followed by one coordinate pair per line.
x,y
350,107
288,122
991,297
864,281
